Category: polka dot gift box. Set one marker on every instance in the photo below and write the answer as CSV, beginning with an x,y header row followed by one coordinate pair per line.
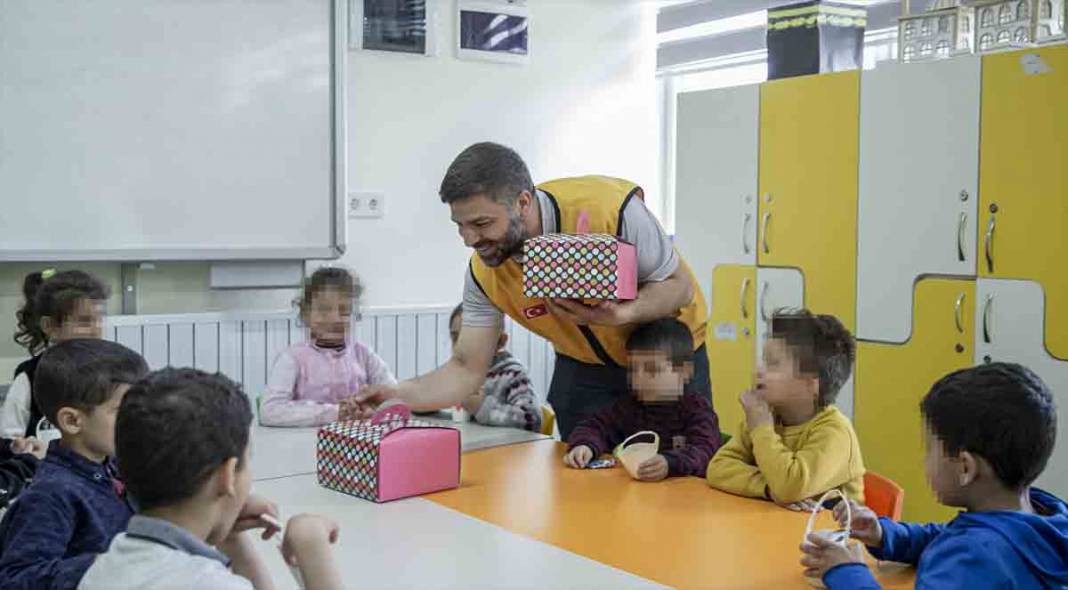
x,y
388,457
583,266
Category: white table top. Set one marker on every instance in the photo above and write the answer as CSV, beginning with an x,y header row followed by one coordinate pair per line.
x,y
416,543
284,452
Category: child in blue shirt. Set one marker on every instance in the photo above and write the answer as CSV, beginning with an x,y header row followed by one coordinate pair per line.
x,y
990,430
76,504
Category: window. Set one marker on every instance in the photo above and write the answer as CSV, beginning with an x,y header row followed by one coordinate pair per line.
x,y
986,41
943,48
925,29
1021,35
926,48
910,52
943,24
1005,14
1021,11
1004,37
1047,9
987,18
965,25
910,29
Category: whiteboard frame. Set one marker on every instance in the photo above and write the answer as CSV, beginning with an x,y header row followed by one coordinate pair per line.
x,y
338,221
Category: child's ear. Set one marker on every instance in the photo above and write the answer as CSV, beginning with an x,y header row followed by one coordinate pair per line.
x,y
226,474
48,325
502,340
687,370
814,387
69,420
967,468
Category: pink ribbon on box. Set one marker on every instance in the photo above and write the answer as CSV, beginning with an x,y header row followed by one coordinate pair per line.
x,y
582,226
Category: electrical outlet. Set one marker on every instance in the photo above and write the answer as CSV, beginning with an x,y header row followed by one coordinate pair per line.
x,y
367,204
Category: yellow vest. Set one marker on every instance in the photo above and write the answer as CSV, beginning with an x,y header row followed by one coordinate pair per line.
x,y
603,199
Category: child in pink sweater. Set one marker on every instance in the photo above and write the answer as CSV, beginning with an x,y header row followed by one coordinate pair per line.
x,y
311,381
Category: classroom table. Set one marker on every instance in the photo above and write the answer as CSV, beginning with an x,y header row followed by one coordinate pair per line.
x,y
678,532
520,519
418,544
285,452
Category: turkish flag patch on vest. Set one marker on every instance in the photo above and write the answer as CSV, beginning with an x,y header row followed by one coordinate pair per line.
x,y
535,311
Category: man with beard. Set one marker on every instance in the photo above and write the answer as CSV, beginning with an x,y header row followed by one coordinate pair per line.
x,y
496,207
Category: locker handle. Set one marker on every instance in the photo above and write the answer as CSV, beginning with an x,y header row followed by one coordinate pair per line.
x,y
745,289
986,318
958,316
989,246
960,236
745,226
764,232
763,302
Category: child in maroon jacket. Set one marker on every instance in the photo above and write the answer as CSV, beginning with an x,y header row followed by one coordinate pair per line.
x,y
658,366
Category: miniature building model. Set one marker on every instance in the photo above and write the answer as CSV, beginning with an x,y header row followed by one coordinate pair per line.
x,y
947,29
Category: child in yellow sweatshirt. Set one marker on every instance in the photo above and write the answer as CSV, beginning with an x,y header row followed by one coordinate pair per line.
x,y
794,444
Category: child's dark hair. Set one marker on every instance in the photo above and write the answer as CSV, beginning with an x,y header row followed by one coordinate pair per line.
x,y
667,335
54,296
821,345
83,373
327,277
1002,412
174,428
456,312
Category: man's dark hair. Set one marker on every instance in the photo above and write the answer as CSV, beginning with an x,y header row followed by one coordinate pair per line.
x,y
83,374
667,335
1001,412
456,312
486,168
821,345
174,428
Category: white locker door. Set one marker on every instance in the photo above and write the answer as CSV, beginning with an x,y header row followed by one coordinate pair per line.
x,y
716,178
779,288
1009,327
919,172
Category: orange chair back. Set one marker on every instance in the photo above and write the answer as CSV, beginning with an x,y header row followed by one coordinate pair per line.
x,y
883,495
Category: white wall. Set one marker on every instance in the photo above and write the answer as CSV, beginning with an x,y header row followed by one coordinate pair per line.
x,y
586,103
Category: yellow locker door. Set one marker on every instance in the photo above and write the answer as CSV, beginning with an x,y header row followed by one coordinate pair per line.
x,y
731,338
1023,178
891,380
809,142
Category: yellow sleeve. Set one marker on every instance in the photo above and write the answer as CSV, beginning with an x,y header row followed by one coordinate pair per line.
x,y
821,463
733,468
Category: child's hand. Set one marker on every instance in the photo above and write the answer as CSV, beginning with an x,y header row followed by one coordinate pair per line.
x,y
822,554
371,396
757,410
348,409
865,527
257,513
29,445
653,469
578,457
307,532
806,505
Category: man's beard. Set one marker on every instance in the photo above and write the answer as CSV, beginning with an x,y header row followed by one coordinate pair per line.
x,y
508,246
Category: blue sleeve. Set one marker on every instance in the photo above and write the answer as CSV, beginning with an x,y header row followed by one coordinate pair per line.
x,y
904,542
963,562
37,530
850,576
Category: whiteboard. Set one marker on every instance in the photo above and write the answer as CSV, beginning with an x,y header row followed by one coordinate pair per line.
x,y
172,129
